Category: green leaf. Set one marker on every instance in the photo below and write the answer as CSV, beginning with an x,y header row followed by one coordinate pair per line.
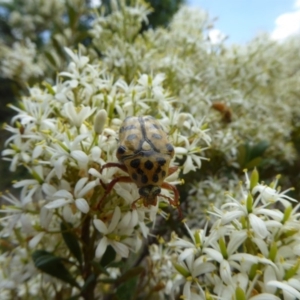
x,y
130,274
108,257
50,58
90,280
71,241
72,14
242,154
125,290
258,150
52,265
253,163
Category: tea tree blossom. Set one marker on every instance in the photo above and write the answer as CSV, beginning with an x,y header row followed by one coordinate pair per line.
x,y
239,250
67,231
65,147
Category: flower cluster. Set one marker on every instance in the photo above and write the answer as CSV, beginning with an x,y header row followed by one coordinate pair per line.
x,y
79,226
19,63
251,251
63,135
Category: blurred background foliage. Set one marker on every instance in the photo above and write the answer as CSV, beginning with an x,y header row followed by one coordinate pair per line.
x,y
248,93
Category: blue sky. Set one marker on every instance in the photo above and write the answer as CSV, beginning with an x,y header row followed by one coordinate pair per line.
x,y
241,20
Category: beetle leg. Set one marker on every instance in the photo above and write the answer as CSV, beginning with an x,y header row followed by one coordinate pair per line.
x,y
112,165
174,202
133,203
110,186
172,170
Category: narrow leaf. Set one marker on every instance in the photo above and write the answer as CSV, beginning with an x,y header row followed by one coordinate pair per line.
x,y
108,257
130,274
52,265
71,241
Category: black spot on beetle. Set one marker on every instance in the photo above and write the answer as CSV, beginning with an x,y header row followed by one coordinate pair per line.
x,y
149,165
131,137
121,150
158,170
135,163
140,171
170,148
144,178
134,176
155,178
161,161
163,174
156,136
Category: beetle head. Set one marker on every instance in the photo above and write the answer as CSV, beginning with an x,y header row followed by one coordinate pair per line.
x,y
149,194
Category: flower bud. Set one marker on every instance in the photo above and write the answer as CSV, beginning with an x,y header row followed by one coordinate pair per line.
x,y
100,120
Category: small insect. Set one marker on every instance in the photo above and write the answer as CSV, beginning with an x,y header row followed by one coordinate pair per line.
x,y
224,110
144,153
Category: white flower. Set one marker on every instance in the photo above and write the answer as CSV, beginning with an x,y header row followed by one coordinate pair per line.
x,y
77,116
239,210
82,187
109,238
270,195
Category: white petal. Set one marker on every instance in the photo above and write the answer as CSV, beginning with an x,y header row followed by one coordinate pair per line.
x,y
230,216
180,150
134,219
35,240
59,166
82,205
81,158
120,248
262,245
26,224
258,225
265,296
236,240
57,203
214,254
7,152
144,229
225,272
45,217
63,194
124,223
90,185
95,153
68,214
203,268
25,182
70,111
101,247
285,287
115,219
187,290
79,185
185,253
37,151
100,226
94,172
48,189
269,275
244,257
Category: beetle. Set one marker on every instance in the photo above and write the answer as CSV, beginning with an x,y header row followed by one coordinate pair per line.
x,y
144,153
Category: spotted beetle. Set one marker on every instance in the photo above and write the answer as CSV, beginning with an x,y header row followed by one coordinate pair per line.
x,y
144,152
